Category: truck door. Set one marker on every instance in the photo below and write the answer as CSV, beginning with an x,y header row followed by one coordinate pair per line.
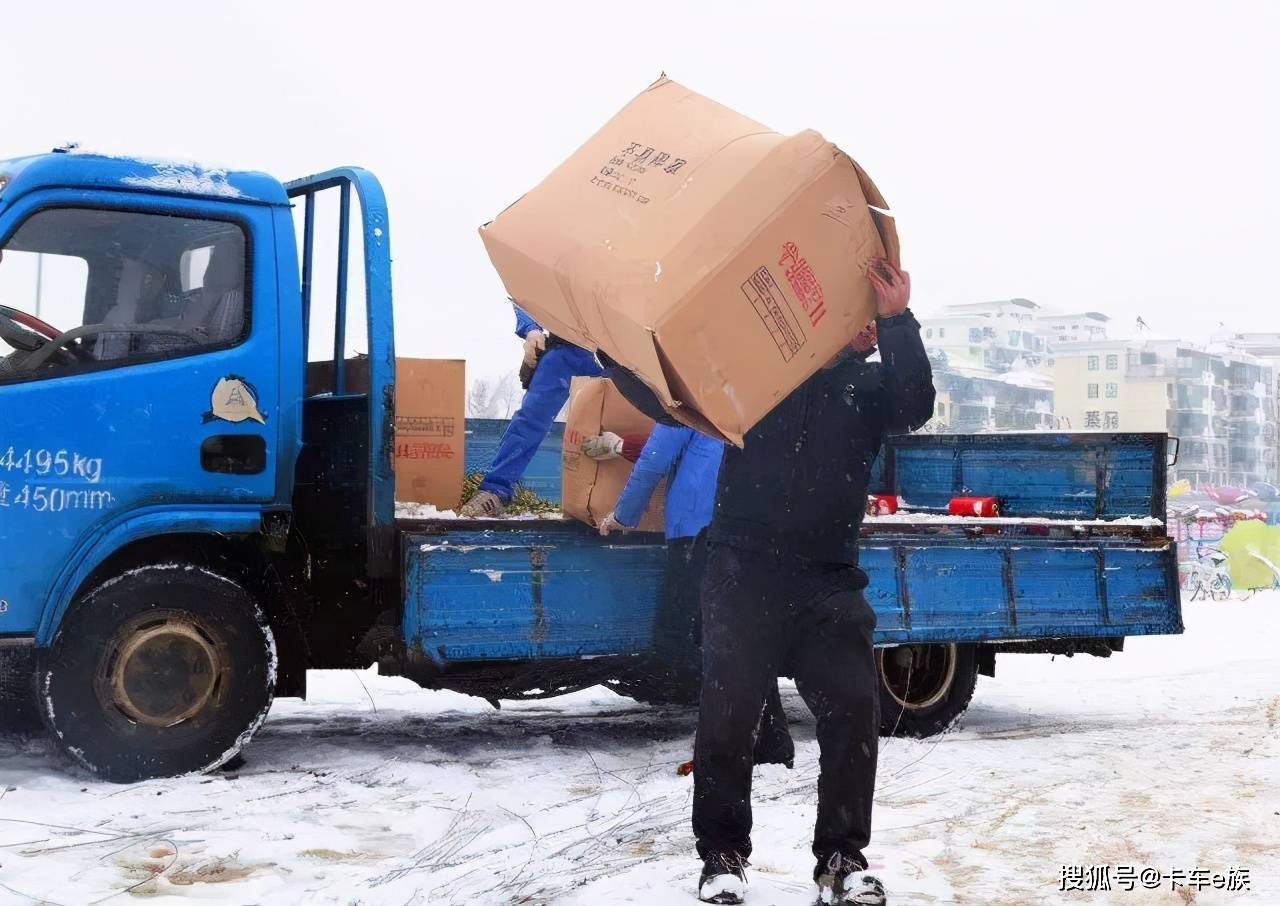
x,y
139,376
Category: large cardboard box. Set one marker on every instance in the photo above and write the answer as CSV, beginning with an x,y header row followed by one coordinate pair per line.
x,y
589,489
719,260
430,447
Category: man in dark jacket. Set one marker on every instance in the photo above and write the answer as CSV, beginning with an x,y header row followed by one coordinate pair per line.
x,y
782,594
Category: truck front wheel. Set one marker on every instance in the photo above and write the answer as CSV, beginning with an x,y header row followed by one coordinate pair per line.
x,y
924,688
164,670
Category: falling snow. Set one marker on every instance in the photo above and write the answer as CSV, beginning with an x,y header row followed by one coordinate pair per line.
x,y
1164,756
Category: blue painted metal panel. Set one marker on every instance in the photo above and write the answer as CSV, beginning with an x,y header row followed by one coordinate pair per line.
x,y
1132,486
99,171
1091,476
555,589
1056,589
955,588
501,595
543,475
1137,588
882,591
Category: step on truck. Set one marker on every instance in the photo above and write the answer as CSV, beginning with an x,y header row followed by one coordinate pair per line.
x,y
185,531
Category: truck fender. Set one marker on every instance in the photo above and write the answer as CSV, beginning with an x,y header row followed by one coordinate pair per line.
x,y
136,526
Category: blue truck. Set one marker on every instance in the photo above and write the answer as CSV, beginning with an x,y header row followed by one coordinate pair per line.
x,y
185,528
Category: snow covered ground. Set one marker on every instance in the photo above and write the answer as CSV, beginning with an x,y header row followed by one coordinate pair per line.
x,y
1166,756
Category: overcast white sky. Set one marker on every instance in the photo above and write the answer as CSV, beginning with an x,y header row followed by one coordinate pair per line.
x,y
1111,156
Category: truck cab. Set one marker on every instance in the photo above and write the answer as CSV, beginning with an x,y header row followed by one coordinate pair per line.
x,y
197,505
153,324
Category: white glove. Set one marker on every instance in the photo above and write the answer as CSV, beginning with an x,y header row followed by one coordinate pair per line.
x,y
609,524
605,445
535,341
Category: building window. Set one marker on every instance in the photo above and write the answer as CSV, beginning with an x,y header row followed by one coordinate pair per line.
x,y
1113,362
1113,391
1093,419
975,334
1093,363
1112,421
928,333
942,332
942,410
1093,391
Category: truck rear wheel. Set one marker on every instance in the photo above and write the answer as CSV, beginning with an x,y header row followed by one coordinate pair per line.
x,y
924,688
164,670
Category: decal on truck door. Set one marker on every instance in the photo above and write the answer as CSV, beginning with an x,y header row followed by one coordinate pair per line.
x,y
234,400
51,481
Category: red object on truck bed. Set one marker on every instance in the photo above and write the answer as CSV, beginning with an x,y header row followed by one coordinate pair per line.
x,y
974,506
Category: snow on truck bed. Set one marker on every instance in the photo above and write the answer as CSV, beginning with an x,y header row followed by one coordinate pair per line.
x,y
417,511
376,792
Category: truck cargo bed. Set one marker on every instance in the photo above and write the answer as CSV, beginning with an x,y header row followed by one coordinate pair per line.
x,y
1080,552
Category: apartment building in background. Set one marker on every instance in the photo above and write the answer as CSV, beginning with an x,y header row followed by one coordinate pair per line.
x,y
1012,365
973,403
1219,401
990,368
990,337
1079,327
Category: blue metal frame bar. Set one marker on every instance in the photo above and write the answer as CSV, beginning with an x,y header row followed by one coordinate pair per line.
x,y
340,303
308,248
381,332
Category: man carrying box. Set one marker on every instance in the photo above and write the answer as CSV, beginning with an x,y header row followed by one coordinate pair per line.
x,y
554,363
782,594
689,462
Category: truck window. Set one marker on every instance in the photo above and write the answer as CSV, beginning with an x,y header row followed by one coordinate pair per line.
x,y
85,288
53,286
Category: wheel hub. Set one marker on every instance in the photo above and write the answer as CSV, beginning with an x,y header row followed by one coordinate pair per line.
x,y
918,676
162,673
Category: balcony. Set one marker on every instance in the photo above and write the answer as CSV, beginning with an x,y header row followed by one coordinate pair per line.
x,y
1150,371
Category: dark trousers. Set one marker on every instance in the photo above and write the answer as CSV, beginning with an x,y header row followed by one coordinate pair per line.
x,y
762,616
677,645
677,623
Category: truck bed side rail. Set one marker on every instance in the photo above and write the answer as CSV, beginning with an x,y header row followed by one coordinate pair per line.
x,y
1054,476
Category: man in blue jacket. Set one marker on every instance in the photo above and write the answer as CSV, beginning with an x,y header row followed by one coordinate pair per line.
x,y
689,462
554,363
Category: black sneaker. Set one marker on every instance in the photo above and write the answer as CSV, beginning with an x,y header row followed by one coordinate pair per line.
x,y
724,879
843,879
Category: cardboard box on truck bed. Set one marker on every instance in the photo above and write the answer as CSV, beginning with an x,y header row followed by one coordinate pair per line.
x,y
720,261
589,489
430,423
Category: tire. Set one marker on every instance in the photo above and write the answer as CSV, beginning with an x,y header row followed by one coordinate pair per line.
x,y
165,670
924,688
17,699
